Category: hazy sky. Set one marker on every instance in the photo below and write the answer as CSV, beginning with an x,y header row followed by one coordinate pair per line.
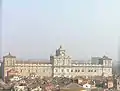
x,y
85,28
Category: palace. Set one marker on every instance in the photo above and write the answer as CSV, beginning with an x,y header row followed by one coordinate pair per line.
x,y
59,65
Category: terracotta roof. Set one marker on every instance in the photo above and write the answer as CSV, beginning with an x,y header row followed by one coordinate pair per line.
x,y
73,89
72,85
12,70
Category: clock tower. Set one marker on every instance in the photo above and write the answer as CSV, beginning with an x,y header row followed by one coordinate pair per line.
x,y
60,52
61,62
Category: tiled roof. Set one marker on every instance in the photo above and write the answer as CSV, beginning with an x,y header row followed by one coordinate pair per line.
x,y
33,62
12,70
73,89
72,85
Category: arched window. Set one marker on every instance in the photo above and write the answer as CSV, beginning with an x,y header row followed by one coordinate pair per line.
x,y
82,70
44,70
56,70
28,70
67,70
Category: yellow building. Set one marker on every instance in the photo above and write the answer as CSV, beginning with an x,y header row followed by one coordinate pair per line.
x,y
25,68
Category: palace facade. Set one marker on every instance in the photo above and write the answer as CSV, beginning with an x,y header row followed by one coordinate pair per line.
x,y
59,65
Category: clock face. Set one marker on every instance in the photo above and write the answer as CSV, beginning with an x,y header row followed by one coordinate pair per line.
x,y
63,53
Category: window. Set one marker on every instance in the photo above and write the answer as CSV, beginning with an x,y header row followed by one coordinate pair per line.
x,y
43,70
67,70
91,70
78,70
62,70
71,70
88,70
55,70
95,71
68,61
36,71
75,70
21,70
7,62
82,70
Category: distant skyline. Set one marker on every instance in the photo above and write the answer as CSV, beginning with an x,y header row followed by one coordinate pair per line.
x,y
35,28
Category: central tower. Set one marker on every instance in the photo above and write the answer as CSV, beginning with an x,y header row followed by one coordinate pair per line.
x,y
61,63
60,51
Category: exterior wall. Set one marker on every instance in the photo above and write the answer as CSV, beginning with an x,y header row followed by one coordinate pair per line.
x,y
62,71
110,84
6,69
86,71
60,65
38,69
9,62
107,71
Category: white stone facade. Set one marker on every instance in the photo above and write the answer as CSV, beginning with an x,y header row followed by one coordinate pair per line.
x,y
63,66
60,65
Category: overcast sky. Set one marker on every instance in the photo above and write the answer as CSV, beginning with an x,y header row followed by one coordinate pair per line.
x,y
85,28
